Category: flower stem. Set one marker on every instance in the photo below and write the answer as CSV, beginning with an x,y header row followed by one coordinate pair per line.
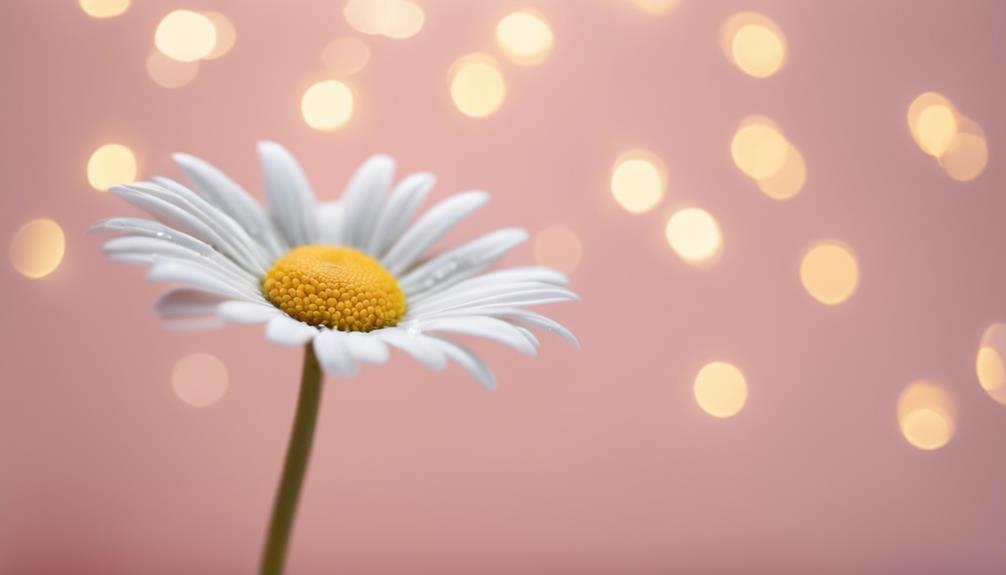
x,y
298,451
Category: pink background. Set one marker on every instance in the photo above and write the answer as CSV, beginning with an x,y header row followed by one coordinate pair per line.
x,y
591,461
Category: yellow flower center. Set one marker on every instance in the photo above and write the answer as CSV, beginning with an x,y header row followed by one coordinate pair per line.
x,y
334,286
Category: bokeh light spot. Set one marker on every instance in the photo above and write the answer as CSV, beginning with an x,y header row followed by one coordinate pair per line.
x,y
37,248
759,149
226,35
935,129
720,389
327,105
477,85
398,19
345,56
656,6
199,379
694,235
170,73
185,35
558,247
789,180
990,363
829,272
104,8
638,181
754,43
111,165
525,37
926,415
966,156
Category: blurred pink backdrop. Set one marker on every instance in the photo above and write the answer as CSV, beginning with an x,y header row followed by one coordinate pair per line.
x,y
589,461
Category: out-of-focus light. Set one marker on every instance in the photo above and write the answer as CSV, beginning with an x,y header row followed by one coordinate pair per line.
x,y
111,165
990,364
638,181
104,8
199,379
477,85
966,156
525,37
932,121
169,73
694,235
37,248
226,35
345,56
720,389
656,6
759,149
754,43
926,415
789,180
327,105
185,35
829,272
558,247
398,19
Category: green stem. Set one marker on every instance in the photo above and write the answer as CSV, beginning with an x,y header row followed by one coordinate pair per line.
x,y
298,451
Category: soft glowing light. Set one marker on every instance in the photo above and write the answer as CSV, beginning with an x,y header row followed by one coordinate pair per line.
x,y
397,19
638,181
199,379
656,6
345,56
720,389
37,248
169,73
789,180
829,272
989,364
558,247
932,121
966,156
926,415
694,235
104,8
327,105
226,35
111,165
185,35
477,85
759,149
525,37
754,43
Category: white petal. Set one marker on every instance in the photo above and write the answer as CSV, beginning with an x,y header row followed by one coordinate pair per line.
x,y
148,250
285,330
525,316
333,354
484,326
152,229
238,242
190,275
521,274
416,345
366,348
330,222
206,323
514,294
187,302
363,199
290,195
460,263
246,312
397,212
430,227
467,360
232,199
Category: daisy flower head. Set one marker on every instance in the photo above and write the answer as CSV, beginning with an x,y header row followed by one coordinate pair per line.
x,y
352,278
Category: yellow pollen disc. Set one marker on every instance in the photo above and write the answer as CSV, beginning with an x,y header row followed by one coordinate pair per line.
x,y
336,287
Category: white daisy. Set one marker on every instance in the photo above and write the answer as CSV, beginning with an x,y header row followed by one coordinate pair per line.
x,y
353,276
